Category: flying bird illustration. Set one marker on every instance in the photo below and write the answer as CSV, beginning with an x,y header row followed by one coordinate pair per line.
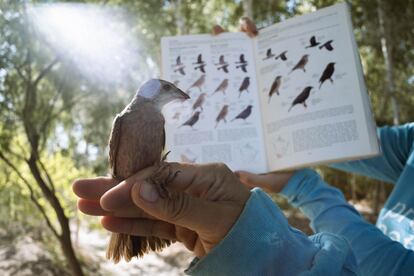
x,y
198,83
327,73
200,101
282,56
302,97
244,85
222,86
269,54
222,115
192,120
275,87
179,66
200,63
312,42
222,65
244,114
327,45
301,63
242,63
134,146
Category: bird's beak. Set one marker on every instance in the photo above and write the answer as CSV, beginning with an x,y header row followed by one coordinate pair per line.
x,y
181,94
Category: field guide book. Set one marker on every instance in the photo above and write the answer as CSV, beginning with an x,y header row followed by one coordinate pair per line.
x,y
294,96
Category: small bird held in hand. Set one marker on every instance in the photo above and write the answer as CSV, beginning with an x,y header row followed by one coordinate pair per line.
x,y
302,97
301,63
136,142
327,73
244,114
275,87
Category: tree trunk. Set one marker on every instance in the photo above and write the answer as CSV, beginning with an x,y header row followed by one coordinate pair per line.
x,y
248,8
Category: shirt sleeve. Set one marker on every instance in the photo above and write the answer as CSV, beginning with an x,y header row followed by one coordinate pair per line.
x,y
262,243
396,145
325,206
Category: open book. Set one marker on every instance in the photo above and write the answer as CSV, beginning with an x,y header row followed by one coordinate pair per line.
x,y
293,96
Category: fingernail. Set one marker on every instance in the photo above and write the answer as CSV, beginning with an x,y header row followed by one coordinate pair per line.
x,y
148,192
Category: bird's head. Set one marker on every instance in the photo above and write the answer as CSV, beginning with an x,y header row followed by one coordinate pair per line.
x,y
161,92
249,106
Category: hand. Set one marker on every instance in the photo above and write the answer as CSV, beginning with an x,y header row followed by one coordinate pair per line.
x,y
245,25
273,182
205,202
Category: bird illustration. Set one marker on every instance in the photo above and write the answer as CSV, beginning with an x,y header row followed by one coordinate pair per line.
x,y
302,97
301,63
269,54
275,87
192,120
198,83
282,56
179,66
222,115
222,86
244,85
312,42
200,63
222,65
200,101
244,114
327,45
137,140
242,63
327,73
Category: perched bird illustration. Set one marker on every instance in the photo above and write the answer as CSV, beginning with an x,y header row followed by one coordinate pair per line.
x,y
312,42
327,45
275,87
222,86
179,66
302,97
282,56
269,54
137,140
200,101
198,83
200,63
193,120
244,114
244,85
222,115
327,73
301,63
242,63
222,65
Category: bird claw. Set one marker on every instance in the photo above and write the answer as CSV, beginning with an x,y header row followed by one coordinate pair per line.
x,y
162,176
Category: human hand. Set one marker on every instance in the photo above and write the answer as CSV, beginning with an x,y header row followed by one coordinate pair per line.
x,y
205,202
245,25
271,182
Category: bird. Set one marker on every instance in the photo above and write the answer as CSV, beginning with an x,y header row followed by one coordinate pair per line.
x,y
222,115
301,63
179,66
222,86
244,114
200,101
192,120
327,45
275,87
133,146
200,63
198,83
242,63
222,64
282,56
244,85
327,73
312,42
302,97
269,54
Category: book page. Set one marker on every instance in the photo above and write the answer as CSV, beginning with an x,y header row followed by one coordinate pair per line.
x,y
221,122
314,102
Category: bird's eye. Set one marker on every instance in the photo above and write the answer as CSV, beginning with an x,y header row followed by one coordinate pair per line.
x,y
166,87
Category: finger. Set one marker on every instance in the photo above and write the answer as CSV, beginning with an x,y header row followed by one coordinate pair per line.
x,y
93,208
93,188
140,227
247,25
217,29
187,237
255,180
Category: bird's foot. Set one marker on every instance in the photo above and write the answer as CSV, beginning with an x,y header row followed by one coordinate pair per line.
x,y
162,176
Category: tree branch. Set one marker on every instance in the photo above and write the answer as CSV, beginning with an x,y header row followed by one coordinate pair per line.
x,y
45,71
49,179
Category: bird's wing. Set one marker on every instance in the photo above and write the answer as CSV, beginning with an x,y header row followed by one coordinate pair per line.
x,y
202,69
313,40
242,58
199,59
244,68
225,69
181,70
221,59
329,47
114,140
178,61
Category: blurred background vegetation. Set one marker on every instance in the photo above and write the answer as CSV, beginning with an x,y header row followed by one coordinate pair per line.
x,y
57,104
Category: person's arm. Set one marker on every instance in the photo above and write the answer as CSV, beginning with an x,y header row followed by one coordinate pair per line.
x,y
328,211
396,145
